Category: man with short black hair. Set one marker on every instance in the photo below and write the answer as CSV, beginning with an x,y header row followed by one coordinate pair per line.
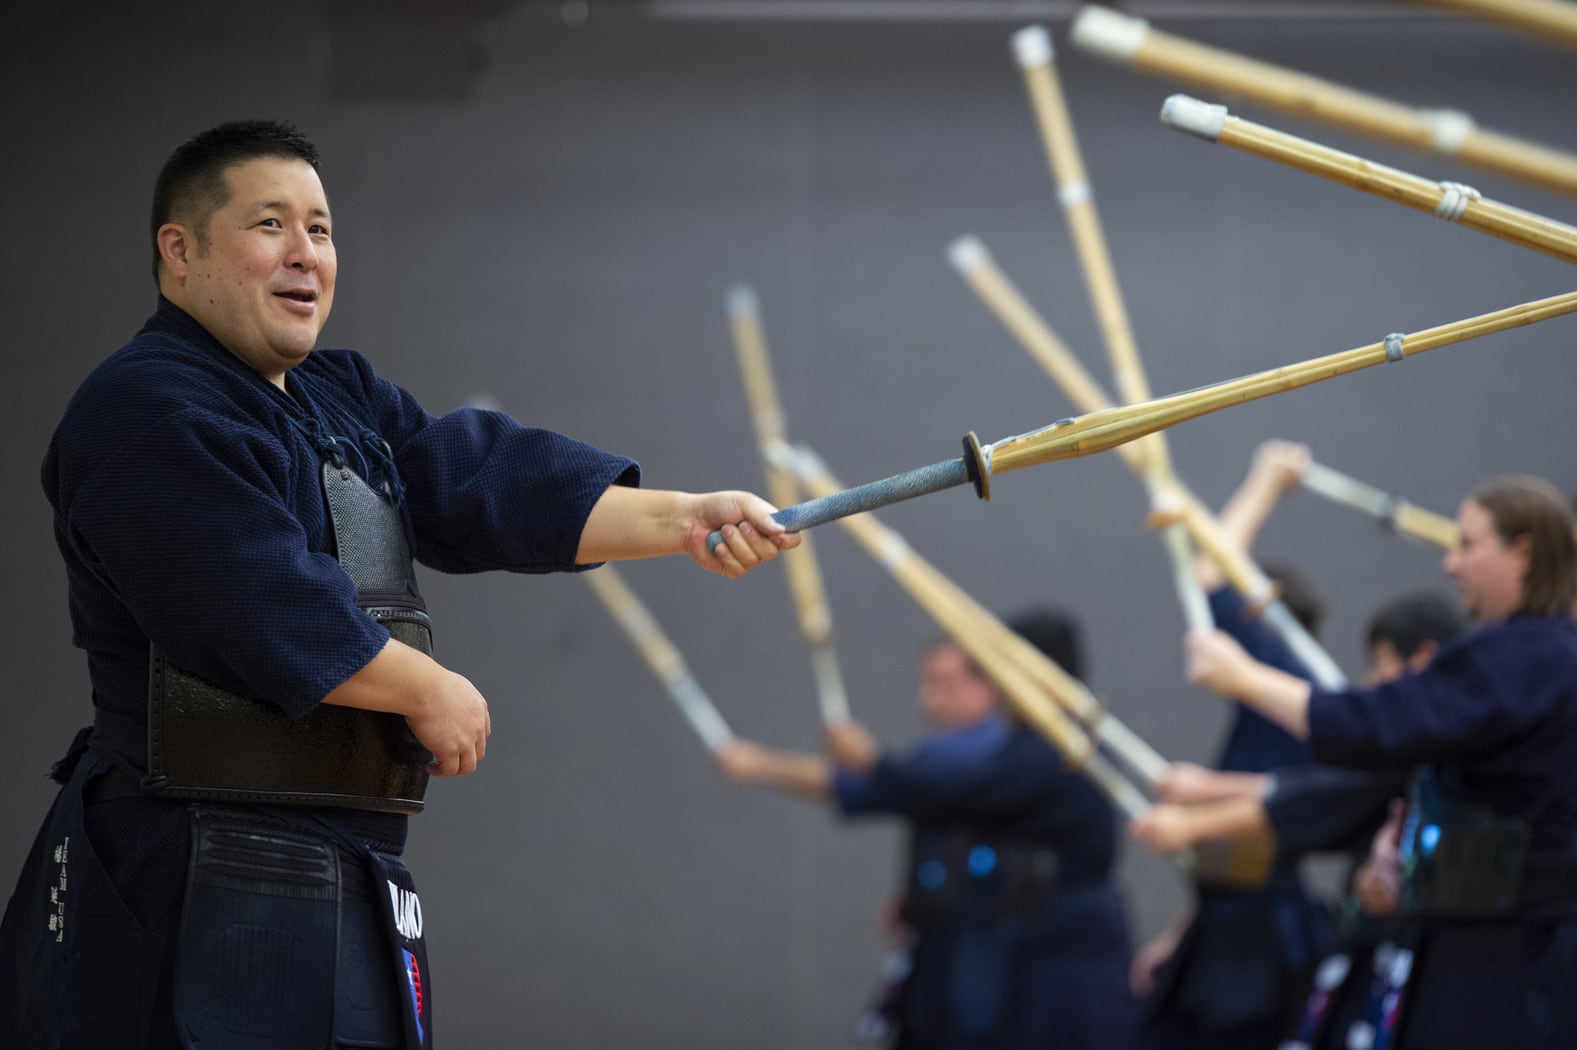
x,y
238,513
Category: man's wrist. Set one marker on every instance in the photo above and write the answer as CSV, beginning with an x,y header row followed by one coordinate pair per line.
x,y
1256,681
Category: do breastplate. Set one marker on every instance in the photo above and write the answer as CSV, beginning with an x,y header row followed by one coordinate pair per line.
x,y
207,743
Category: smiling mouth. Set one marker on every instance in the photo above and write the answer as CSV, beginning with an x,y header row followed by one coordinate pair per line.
x,y
298,297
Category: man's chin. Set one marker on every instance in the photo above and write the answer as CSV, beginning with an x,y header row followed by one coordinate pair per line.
x,y
296,346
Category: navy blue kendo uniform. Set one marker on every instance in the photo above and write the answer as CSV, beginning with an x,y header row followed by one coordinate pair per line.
x,y
1316,808
1495,718
190,511
1241,971
1020,937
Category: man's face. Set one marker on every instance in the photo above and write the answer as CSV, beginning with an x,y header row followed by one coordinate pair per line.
x,y
1385,664
261,279
952,694
1487,571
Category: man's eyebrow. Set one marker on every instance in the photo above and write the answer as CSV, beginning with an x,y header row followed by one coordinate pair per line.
x,y
269,205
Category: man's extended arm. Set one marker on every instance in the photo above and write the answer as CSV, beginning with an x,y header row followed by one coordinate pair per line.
x,y
1218,663
1171,826
1277,468
628,523
797,773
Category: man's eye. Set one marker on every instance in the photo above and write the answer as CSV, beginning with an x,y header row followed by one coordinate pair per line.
x,y
273,223
320,229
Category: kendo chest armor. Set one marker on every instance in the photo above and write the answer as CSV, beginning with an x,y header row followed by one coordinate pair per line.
x,y
207,743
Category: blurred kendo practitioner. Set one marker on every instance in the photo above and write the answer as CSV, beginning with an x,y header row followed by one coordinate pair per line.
x,y
1018,938
238,513
1488,852
1316,808
1233,969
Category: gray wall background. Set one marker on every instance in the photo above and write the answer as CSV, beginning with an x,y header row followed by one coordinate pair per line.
x,y
556,233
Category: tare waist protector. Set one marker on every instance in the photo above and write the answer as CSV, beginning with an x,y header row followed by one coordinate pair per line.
x,y
1459,859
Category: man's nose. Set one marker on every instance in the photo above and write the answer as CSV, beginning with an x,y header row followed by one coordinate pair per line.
x,y
301,254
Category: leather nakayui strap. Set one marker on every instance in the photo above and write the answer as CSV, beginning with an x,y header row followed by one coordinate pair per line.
x,y
207,743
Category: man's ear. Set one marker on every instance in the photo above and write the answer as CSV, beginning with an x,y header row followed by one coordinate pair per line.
x,y
177,247
1423,656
